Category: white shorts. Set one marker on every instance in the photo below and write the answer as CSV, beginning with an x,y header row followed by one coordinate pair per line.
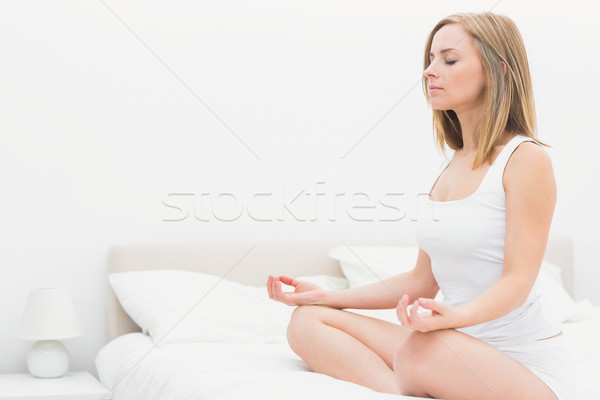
x,y
548,359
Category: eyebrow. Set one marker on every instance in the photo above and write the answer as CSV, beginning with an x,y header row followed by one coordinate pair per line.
x,y
445,51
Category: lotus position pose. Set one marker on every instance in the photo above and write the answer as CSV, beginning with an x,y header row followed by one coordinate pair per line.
x,y
492,208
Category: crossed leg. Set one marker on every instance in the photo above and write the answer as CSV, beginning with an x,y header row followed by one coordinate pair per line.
x,y
346,345
388,358
449,364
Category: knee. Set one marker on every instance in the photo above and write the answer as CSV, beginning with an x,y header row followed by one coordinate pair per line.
x,y
300,321
407,355
410,362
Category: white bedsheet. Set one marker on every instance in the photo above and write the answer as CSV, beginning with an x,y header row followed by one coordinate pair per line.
x,y
583,339
214,371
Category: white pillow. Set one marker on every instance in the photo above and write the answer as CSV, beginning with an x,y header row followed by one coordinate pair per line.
x,y
555,300
174,306
552,271
363,265
367,264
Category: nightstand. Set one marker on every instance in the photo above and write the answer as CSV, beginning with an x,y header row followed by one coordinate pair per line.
x,y
72,386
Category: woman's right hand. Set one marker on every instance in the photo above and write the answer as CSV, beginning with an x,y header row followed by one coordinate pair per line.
x,y
304,292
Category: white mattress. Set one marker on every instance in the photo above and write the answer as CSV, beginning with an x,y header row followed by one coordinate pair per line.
x,y
135,370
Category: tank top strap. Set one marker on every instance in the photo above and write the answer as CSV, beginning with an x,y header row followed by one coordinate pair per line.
x,y
496,170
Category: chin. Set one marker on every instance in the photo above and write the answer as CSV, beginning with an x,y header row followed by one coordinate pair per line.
x,y
439,108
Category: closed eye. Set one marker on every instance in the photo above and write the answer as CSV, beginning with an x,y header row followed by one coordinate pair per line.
x,y
450,62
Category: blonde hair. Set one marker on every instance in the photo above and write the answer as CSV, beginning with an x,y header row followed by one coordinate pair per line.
x,y
509,104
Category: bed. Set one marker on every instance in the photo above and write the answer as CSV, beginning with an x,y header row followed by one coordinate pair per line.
x,y
220,337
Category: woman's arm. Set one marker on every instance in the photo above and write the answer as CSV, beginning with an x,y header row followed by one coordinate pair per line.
x,y
380,295
419,282
530,200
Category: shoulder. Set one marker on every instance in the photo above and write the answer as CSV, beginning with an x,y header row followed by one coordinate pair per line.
x,y
529,153
529,166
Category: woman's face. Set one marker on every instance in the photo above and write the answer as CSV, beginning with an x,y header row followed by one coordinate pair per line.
x,y
459,72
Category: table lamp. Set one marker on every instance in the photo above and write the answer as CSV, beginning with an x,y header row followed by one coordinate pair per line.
x,y
49,316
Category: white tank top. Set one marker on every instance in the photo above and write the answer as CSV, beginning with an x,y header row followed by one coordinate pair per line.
x,y
465,240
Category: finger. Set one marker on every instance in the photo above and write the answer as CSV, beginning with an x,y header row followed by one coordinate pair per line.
x,y
398,309
276,294
285,297
269,287
282,296
414,308
402,311
433,305
425,303
272,287
414,312
277,289
418,322
288,281
430,322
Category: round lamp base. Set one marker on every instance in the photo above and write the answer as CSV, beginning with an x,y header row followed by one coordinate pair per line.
x,y
48,359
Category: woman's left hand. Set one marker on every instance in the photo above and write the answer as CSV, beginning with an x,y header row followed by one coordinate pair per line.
x,y
442,315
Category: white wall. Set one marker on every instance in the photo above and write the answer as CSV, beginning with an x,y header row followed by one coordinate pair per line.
x,y
250,97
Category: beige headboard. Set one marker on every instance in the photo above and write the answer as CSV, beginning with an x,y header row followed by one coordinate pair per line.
x,y
251,262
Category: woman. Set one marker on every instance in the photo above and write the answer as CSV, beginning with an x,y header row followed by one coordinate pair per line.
x,y
493,205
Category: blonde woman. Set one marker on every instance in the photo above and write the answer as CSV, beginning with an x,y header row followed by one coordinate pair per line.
x,y
493,204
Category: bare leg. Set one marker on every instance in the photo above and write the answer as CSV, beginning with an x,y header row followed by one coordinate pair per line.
x,y
347,346
449,364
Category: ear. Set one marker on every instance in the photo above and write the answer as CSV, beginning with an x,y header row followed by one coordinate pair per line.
x,y
504,67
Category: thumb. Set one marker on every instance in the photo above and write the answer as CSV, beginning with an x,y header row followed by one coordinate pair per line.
x,y
433,305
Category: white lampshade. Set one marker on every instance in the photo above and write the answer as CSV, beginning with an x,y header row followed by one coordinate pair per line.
x,y
49,315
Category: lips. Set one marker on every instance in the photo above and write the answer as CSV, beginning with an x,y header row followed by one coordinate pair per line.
x,y
431,87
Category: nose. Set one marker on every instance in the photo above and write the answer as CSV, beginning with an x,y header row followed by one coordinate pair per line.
x,y
430,71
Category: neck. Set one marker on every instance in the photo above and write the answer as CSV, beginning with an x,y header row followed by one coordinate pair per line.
x,y
467,120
